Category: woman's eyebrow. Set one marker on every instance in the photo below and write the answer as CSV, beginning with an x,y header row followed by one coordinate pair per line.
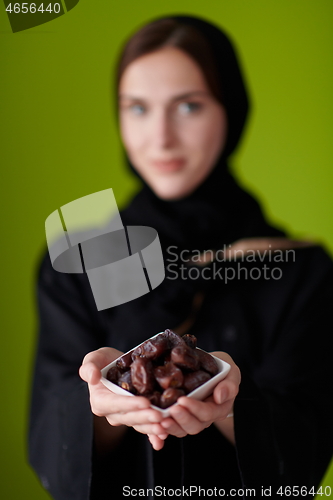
x,y
179,97
189,94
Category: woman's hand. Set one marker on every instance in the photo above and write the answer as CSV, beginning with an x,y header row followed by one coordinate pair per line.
x,y
119,410
191,416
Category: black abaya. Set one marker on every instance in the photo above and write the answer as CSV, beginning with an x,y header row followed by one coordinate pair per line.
x,y
277,331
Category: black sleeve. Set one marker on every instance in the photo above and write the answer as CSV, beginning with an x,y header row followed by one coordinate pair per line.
x,y
284,411
61,421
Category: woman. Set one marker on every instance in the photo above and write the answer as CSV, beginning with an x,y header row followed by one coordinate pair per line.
x,y
182,109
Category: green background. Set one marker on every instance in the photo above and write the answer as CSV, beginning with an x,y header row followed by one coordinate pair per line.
x,y
59,141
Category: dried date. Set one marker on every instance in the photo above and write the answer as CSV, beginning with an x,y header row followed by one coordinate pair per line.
x,y
173,339
137,352
154,397
190,340
195,379
125,381
154,348
142,375
169,375
124,363
185,357
207,362
170,396
113,374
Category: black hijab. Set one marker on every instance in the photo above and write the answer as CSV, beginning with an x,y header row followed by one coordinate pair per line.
x,y
217,213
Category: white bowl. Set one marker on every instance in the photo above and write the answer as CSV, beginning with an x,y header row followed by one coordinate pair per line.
x,y
199,394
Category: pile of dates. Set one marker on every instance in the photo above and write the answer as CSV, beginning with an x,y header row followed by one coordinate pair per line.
x,y
164,368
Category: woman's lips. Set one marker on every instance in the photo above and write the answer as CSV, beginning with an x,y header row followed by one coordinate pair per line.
x,y
169,165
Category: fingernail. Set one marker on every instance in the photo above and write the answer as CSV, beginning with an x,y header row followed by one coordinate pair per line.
x,y
220,396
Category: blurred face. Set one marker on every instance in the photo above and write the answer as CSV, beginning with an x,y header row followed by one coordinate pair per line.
x,y
172,127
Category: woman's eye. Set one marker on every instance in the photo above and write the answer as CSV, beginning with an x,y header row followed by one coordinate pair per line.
x,y
186,108
137,109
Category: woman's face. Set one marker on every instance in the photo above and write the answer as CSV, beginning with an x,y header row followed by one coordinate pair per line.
x,y
172,127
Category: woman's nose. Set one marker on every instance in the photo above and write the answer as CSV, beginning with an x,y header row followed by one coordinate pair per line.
x,y
163,130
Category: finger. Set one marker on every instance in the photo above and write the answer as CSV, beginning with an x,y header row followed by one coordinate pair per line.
x,y
173,427
188,422
151,429
94,361
145,417
206,411
105,402
163,436
234,373
156,442
226,390
90,373
102,356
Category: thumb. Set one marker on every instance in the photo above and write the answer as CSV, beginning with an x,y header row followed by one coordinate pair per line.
x,y
90,373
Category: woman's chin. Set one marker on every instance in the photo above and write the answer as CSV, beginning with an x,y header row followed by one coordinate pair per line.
x,y
171,192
